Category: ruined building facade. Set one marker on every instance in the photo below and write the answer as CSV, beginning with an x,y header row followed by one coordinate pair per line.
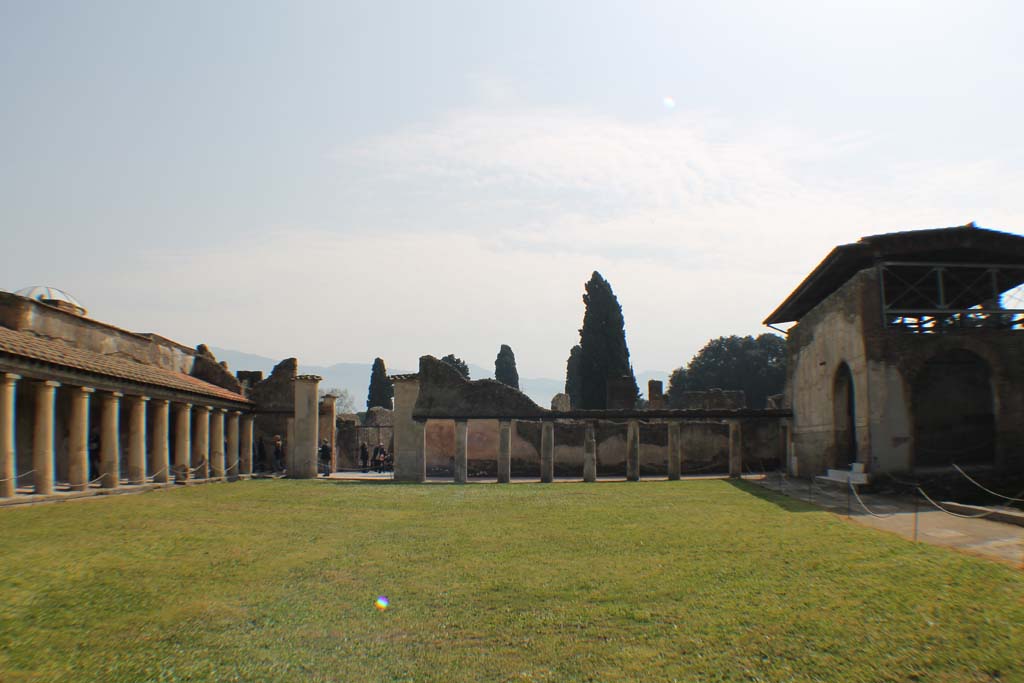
x,y
908,354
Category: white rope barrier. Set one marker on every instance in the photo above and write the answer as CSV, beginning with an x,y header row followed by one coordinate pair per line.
x,y
866,509
986,490
952,514
18,475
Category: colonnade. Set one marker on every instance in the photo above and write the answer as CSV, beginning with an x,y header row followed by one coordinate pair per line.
x,y
547,450
221,447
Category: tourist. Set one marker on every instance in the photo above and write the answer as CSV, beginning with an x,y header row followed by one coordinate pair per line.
x,y
325,457
364,456
278,454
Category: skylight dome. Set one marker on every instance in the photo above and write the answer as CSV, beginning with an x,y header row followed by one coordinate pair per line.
x,y
54,297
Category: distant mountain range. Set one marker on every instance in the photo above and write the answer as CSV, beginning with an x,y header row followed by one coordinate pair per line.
x,y
355,377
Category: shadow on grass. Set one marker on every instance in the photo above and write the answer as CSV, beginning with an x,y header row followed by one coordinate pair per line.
x,y
774,497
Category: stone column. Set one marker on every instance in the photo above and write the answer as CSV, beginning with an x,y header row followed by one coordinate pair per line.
x,y
461,450
8,484
735,449
201,444
590,453
289,442
504,451
110,441
410,461
245,455
182,442
137,439
330,407
159,457
547,452
633,451
675,450
231,465
78,439
42,439
303,453
217,443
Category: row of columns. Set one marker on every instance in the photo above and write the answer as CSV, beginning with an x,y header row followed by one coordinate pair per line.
x,y
208,450
547,451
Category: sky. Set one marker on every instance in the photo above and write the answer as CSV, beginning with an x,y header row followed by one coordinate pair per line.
x,y
341,180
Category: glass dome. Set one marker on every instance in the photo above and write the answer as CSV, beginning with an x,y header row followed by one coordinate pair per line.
x,y
54,297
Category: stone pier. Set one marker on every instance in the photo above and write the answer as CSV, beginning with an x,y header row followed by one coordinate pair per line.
x,y
303,454
590,453
231,456
504,451
217,443
461,450
8,484
633,451
159,456
410,462
182,442
547,452
201,445
675,450
78,439
110,441
735,449
42,442
245,448
137,439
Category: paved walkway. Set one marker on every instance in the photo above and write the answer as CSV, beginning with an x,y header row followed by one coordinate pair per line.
x,y
983,537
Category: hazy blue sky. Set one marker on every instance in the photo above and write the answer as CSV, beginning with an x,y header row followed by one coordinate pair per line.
x,y
342,180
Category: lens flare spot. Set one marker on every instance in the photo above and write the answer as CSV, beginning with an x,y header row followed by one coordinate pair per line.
x,y
381,603
669,102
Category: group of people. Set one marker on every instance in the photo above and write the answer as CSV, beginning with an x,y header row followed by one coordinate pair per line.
x,y
382,461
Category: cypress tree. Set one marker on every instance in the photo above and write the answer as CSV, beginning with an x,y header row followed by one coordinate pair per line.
x,y
505,367
381,389
572,376
603,351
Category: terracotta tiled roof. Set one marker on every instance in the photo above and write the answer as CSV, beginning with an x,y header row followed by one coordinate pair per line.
x,y
25,345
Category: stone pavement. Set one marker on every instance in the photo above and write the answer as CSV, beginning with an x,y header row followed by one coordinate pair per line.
x,y
977,536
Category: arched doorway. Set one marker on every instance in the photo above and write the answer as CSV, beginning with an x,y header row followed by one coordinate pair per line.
x,y
954,420
844,417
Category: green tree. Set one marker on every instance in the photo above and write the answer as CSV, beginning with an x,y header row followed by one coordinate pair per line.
x,y
381,389
457,363
757,366
572,376
603,350
505,367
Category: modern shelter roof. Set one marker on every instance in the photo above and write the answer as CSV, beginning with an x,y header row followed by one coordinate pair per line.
x,y
965,244
27,346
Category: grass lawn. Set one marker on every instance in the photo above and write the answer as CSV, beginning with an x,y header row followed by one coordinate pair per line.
x,y
688,581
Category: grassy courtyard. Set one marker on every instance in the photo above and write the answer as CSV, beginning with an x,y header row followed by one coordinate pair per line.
x,y
688,581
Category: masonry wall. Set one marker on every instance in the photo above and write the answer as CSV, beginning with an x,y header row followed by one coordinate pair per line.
x,y
705,447
828,336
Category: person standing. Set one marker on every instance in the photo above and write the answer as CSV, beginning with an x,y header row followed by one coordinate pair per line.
x,y
278,454
325,458
364,456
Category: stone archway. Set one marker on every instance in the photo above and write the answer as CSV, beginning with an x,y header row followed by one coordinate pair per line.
x,y
953,411
844,417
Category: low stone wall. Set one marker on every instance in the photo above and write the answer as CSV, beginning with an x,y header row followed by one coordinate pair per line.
x,y
705,447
